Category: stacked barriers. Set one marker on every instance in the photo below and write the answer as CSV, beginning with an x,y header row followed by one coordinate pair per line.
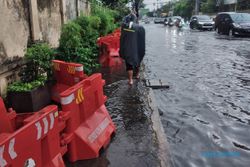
x,y
80,130
30,139
109,46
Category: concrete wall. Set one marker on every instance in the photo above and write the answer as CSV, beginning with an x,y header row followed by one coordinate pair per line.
x,y
50,22
14,29
25,21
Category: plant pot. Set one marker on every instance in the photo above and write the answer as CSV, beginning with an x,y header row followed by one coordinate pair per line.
x,y
35,100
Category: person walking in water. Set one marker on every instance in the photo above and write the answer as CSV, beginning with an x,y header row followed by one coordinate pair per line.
x,y
132,45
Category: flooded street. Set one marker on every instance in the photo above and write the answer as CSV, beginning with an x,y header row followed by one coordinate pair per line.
x,y
206,111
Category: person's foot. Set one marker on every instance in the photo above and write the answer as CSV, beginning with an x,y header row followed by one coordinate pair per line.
x,y
137,76
130,82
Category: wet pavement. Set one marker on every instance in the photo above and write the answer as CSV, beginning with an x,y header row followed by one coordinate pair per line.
x,y
206,111
135,143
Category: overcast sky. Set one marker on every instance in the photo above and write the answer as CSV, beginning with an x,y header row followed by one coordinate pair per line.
x,y
152,4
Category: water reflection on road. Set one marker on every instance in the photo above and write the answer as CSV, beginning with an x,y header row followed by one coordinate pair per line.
x,y
207,109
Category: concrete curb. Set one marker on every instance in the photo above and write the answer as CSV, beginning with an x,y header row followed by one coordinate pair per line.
x,y
163,153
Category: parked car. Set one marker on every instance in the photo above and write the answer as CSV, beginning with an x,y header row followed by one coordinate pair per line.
x,y
232,23
159,20
201,22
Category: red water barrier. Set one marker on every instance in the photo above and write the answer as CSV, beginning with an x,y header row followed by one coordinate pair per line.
x,y
109,49
88,125
30,139
66,75
82,129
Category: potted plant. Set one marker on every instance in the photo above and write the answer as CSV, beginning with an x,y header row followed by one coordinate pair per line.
x,y
32,93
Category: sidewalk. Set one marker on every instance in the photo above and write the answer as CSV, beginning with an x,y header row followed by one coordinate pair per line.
x,y
137,142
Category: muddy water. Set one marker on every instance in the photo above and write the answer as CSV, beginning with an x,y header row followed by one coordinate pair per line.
x,y
206,111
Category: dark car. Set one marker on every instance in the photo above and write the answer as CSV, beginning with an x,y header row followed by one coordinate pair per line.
x,y
232,23
201,22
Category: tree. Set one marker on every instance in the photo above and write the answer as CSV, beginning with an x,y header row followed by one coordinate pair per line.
x,y
209,6
114,3
184,8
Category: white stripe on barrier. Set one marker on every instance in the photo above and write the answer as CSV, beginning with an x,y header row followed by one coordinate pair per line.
x,y
79,68
12,152
102,126
67,100
3,162
52,120
39,130
46,125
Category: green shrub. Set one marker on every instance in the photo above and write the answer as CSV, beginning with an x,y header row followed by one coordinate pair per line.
x,y
26,86
37,69
70,41
78,42
78,38
39,57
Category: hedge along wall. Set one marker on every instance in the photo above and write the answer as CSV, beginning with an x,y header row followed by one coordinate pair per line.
x,y
24,21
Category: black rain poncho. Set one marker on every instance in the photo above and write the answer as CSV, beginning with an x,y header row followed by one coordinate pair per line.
x,y
132,42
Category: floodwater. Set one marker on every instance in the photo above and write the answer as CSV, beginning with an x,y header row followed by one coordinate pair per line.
x,y
134,144
206,111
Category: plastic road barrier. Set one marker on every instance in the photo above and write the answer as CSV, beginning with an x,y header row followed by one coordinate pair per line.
x,y
66,75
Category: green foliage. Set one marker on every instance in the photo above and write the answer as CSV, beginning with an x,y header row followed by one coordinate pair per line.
x,y
209,6
107,17
78,38
26,86
117,8
39,58
184,8
37,69
70,41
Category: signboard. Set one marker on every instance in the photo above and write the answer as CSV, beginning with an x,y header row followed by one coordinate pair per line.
x,y
227,2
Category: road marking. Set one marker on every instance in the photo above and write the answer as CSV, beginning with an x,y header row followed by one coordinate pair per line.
x,y
46,125
39,130
3,162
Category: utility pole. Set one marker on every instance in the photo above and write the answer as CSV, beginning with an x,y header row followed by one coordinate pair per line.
x,y
197,6
235,7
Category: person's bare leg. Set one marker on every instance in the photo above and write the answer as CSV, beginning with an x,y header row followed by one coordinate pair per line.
x,y
130,77
137,71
